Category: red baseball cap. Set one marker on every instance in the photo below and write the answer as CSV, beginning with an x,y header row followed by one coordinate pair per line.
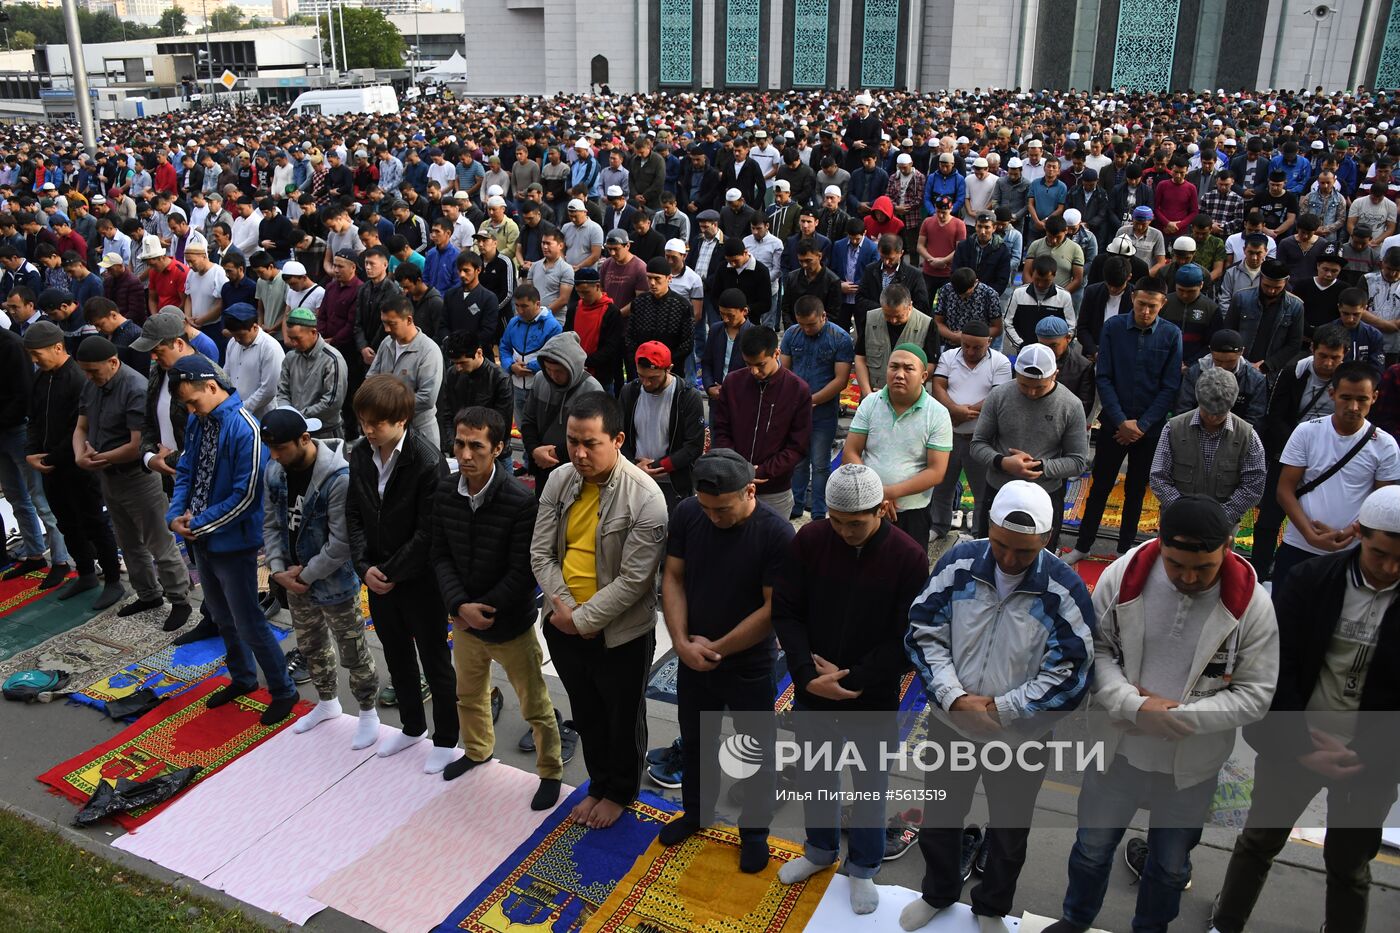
x,y
656,353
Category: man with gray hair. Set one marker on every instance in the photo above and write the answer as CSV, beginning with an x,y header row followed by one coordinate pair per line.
x,y
1211,451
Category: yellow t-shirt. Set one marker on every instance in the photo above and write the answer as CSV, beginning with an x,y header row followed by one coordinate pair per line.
x,y
580,544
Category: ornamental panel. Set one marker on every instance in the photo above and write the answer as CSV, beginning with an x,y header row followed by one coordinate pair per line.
x,y
742,37
677,18
879,47
1388,68
810,20
1146,44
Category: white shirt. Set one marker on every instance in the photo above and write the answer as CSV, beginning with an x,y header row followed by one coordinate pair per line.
x,y
245,233
979,194
255,371
309,299
1234,245
1114,305
688,284
203,289
463,233
768,157
969,385
445,174
1315,445
473,500
386,467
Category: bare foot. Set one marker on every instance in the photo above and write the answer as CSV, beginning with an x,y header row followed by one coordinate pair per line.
x,y
583,810
604,815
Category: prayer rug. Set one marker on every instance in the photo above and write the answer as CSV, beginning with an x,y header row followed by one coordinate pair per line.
x,y
32,616
1091,568
88,647
697,885
300,767
560,876
489,805
168,672
337,827
1077,498
833,913
175,735
661,682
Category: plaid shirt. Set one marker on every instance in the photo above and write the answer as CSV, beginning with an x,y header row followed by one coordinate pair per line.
x,y
1226,210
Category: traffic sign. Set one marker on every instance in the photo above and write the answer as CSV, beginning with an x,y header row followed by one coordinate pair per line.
x,y
228,79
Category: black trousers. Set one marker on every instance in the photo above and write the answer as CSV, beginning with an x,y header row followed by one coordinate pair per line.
x,y
410,615
917,524
606,688
1108,457
747,692
1267,524
1011,798
1057,498
76,499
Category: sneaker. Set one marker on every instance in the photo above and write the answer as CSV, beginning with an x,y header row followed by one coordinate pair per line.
x,y
666,772
971,845
981,865
1135,854
901,833
1073,556
658,755
568,741
297,667
942,545
521,470
497,702
388,696
424,690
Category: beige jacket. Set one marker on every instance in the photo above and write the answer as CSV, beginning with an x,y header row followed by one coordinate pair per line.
x,y
631,542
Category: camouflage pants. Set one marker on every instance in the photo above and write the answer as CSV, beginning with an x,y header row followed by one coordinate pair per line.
x,y
317,627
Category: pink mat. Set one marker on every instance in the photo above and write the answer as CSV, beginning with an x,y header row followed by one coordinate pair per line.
x,y
327,834
226,815
448,847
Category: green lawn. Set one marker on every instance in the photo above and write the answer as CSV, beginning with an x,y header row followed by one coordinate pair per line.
x,y
49,884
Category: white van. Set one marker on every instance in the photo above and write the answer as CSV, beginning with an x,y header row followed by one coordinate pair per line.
x,y
379,99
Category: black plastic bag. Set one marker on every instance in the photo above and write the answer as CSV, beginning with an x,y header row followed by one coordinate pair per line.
x,y
130,795
137,704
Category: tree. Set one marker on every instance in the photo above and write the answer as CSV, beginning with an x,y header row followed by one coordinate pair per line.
x,y
173,22
22,39
370,41
226,19
46,25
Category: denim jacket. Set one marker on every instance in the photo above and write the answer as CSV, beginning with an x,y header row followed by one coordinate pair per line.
x,y
323,544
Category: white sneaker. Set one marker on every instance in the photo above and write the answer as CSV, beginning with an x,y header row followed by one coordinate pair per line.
x,y
1073,557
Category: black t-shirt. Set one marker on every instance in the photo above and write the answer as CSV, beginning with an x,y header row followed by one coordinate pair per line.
x,y
1275,209
298,481
726,570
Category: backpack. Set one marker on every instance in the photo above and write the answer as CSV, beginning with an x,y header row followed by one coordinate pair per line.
x,y
35,686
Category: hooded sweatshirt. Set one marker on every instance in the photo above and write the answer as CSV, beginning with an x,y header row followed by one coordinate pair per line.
x,y
600,331
547,405
323,538
881,219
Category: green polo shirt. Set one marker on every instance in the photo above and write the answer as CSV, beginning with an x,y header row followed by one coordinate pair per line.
x,y
897,446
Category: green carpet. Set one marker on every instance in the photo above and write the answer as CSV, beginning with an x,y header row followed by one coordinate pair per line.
x,y
36,617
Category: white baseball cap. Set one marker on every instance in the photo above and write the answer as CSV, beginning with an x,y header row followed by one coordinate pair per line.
x,y
782,184
1036,361
1024,507
576,205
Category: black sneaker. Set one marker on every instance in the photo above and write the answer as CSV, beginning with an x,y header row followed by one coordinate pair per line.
x,y
971,845
1135,854
981,866
297,668
657,755
901,833
668,770
497,702
568,740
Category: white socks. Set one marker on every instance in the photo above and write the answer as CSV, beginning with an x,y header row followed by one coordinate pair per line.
x,y
440,758
367,732
397,742
916,914
1073,557
322,711
865,897
799,869
987,924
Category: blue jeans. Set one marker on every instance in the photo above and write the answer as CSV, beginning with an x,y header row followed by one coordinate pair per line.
x,y
865,838
22,488
1106,803
230,581
817,466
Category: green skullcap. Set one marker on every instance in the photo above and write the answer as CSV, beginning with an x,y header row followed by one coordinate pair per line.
x,y
915,349
302,316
